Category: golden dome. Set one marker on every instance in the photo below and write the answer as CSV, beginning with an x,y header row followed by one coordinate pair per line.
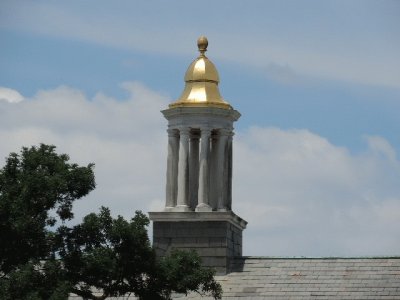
x,y
201,82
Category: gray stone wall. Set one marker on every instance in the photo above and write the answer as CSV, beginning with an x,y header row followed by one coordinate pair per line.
x,y
216,242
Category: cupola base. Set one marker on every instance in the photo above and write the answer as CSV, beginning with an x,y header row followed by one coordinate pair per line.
x,y
215,236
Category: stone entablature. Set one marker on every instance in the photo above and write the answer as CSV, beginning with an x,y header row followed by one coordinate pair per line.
x,y
229,217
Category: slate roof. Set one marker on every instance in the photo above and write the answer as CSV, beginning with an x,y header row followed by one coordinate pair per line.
x,y
256,278
311,278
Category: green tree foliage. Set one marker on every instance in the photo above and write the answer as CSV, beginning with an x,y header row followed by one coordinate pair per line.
x,y
115,257
111,256
33,184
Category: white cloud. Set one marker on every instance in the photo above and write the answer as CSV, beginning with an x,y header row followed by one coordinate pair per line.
x,y
10,95
305,196
125,139
381,147
301,194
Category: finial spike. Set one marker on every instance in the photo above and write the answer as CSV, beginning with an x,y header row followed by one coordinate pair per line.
x,y
202,44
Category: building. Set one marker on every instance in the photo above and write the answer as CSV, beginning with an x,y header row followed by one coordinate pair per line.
x,y
198,211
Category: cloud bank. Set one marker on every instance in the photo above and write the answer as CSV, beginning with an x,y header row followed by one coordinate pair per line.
x,y
305,196
301,194
124,138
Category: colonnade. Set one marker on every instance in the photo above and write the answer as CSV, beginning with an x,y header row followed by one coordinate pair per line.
x,y
199,169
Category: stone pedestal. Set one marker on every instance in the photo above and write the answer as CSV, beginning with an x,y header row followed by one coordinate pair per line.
x,y
216,236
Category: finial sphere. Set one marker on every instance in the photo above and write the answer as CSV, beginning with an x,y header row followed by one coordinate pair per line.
x,y
202,43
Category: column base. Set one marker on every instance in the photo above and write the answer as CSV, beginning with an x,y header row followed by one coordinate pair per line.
x,y
203,207
169,208
181,208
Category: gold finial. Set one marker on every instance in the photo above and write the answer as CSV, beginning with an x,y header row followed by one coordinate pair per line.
x,y
202,43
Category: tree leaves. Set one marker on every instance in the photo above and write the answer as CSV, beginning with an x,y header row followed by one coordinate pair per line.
x,y
111,256
31,184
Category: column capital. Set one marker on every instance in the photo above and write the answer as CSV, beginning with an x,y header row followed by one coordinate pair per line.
x,y
225,132
195,134
205,131
172,132
184,131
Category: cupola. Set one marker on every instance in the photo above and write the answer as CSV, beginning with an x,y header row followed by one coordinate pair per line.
x,y
198,206
201,83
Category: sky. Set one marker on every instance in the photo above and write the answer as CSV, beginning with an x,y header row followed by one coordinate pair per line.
x,y
316,168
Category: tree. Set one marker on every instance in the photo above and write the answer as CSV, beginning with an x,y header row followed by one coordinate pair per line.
x,y
115,257
43,259
37,189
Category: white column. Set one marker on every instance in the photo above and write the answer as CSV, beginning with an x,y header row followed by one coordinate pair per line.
x,y
229,172
183,172
221,174
193,169
172,169
204,179
213,172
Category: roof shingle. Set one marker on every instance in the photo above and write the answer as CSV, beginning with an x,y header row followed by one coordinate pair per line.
x,y
257,278
311,278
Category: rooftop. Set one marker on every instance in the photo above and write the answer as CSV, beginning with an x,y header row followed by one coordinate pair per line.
x,y
302,278
311,278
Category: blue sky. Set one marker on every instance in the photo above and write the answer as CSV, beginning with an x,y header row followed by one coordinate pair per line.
x,y
317,83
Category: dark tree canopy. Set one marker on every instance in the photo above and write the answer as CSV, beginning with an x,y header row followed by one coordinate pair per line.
x,y
110,255
115,257
32,184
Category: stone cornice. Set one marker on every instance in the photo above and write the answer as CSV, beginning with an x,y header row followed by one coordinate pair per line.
x,y
231,114
173,216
